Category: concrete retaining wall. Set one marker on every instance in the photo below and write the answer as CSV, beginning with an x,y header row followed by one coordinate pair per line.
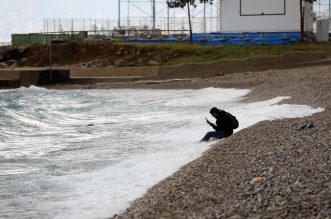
x,y
114,72
9,74
35,76
249,64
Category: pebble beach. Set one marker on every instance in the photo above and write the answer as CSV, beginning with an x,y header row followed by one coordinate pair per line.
x,y
274,169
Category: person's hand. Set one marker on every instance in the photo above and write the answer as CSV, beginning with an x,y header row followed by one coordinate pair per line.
x,y
208,122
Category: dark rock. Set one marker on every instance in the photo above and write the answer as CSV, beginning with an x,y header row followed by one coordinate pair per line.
x,y
90,64
11,62
3,65
301,127
310,125
120,52
118,62
152,62
23,60
21,49
12,53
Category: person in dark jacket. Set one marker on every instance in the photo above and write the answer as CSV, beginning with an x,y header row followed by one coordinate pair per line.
x,y
223,127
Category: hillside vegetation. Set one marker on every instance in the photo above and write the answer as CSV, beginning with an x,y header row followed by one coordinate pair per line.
x,y
102,54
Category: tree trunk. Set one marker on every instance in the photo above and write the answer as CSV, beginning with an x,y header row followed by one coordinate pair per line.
x,y
302,23
189,22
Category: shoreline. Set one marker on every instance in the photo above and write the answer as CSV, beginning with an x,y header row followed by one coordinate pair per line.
x,y
270,169
264,84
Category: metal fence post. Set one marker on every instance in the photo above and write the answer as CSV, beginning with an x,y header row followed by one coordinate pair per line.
x,y
50,61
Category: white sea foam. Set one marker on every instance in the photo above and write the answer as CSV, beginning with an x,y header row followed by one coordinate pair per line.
x,y
88,154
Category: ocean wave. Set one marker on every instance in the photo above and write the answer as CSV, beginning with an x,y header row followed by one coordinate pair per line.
x,y
89,153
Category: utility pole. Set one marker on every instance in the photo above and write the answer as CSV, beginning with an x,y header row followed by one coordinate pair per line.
x,y
72,25
119,14
168,19
204,17
50,61
302,24
128,17
153,12
219,17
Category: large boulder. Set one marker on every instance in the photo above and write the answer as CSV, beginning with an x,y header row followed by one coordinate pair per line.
x,y
11,53
11,62
3,65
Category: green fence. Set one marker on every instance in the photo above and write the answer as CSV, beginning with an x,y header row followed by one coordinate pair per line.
x,y
43,39
20,39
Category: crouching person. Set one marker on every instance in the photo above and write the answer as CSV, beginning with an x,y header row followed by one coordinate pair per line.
x,y
225,123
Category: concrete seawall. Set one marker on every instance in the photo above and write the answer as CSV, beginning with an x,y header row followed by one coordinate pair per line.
x,y
32,76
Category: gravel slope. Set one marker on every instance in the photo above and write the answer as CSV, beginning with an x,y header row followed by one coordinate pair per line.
x,y
259,172
270,170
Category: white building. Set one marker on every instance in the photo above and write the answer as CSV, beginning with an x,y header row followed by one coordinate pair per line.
x,y
263,16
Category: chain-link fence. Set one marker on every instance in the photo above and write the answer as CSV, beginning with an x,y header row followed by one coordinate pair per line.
x,y
136,14
5,43
165,24
64,25
322,11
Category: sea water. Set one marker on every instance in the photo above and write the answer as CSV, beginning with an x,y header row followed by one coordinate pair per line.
x,y
89,153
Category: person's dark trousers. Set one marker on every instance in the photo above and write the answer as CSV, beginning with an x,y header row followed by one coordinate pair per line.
x,y
218,134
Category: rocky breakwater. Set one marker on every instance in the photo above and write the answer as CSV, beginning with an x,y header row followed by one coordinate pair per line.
x,y
10,57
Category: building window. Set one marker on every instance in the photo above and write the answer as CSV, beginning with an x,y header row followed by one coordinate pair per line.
x,y
262,7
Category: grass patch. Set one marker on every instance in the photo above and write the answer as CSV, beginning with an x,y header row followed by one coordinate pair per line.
x,y
199,53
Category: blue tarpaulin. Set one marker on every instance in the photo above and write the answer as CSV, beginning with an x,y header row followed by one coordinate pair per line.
x,y
231,38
